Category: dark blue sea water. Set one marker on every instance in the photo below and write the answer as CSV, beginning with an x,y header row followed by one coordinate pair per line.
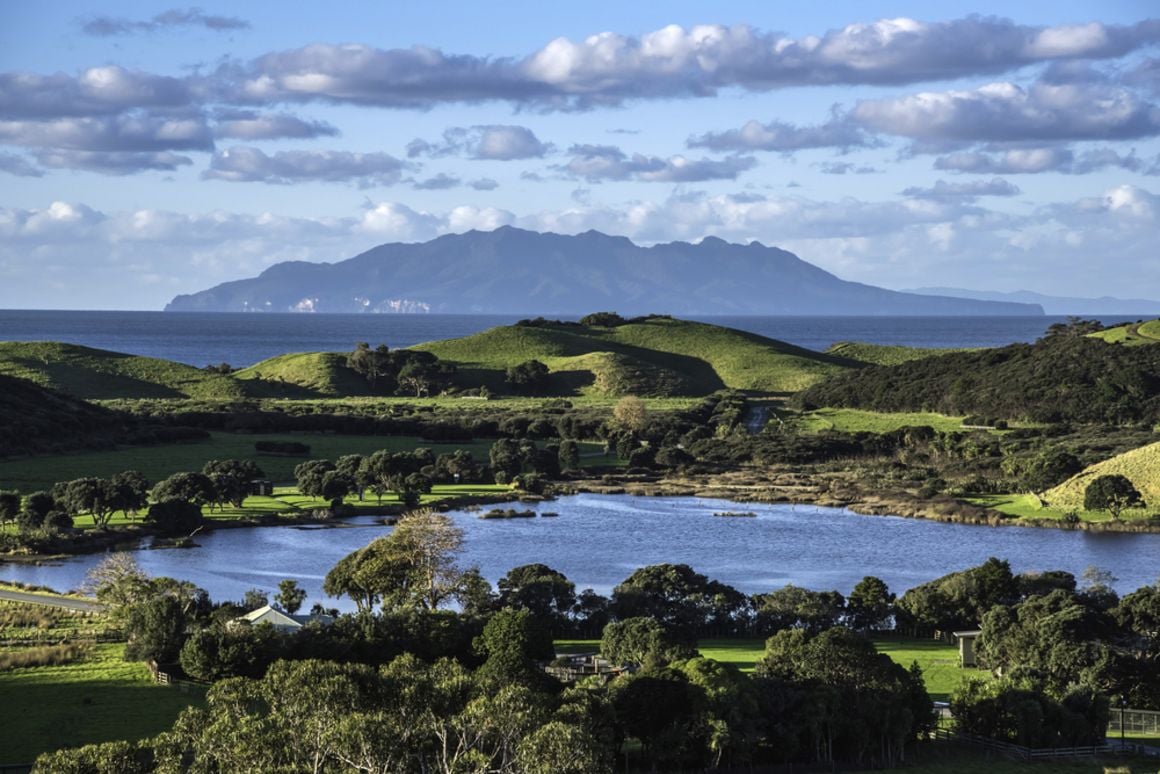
x,y
244,339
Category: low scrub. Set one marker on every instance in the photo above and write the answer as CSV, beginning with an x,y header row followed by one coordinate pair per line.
x,y
43,655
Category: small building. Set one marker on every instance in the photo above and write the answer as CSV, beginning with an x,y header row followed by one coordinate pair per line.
x,y
282,622
966,640
261,487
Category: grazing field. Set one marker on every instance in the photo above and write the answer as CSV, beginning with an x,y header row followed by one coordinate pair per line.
x,y
656,357
100,374
1131,334
885,354
939,661
1140,466
156,462
1030,506
856,420
303,374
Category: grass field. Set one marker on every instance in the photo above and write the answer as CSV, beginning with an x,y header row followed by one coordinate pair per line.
x,y
656,357
885,354
938,660
1141,467
857,420
1029,506
157,462
97,373
1131,334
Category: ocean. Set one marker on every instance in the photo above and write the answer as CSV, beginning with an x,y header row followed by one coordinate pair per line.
x,y
243,339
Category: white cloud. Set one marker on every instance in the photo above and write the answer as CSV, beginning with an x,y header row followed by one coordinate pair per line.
x,y
248,125
1059,159
783,137
244,164
596,163
967,191
492,142
108,26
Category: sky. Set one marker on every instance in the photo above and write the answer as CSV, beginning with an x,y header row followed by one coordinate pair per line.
x,y
148,149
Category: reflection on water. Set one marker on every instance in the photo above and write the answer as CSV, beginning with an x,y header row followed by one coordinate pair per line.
x,y
599,539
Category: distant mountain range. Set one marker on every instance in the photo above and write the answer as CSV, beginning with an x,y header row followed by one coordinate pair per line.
x,y
512,271
1054,305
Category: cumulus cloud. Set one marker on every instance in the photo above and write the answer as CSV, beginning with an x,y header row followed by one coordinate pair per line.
x,y
1016,161
108,26
440,182
596,163
245,164
494,142
249,125
1006,112
126,132
97,91
838,132
112,162
20,166
846,168
967,191
608,68
484,184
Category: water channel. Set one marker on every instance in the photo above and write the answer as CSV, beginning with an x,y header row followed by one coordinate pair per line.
x,y
598,540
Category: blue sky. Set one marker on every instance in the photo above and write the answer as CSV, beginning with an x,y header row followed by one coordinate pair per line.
x,y
148,149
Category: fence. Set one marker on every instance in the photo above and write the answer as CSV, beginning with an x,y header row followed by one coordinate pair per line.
x,y
1025,753
1135,722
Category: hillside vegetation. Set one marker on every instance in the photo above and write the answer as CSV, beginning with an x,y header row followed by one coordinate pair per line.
x,y
653,356
96,374
1140,466
1059,378
885,354
302,374
1131,334
35,419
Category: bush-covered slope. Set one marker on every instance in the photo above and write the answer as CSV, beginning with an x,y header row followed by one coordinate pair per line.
x,y
1060,378
96,374
34,419
654,356
1140,466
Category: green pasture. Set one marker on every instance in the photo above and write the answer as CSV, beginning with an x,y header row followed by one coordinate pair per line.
x,y
98,698
1131,334
857,420
939,661
1030,506
885,354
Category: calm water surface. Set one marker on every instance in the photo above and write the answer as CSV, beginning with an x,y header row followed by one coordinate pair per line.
x,y
598,540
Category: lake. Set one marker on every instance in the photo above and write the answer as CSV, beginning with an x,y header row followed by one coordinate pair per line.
x,y
598,540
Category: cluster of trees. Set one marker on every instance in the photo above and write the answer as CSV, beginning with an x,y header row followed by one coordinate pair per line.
x,y
56,509
1061,378
405,371
407,474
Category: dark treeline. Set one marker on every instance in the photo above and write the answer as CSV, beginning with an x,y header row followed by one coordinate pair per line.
x,y
1064,377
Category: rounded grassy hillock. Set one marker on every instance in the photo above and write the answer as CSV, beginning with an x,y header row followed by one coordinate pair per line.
x,y
302,375
651,356
885,354
1140,466
97,374
1131,334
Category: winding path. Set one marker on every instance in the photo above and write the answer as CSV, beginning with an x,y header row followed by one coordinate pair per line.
x,y
78,605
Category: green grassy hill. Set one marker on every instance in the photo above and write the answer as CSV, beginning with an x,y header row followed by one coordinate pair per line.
x,y
302,375
884,354
96,374
1131,334
1140,466
656,356
34,419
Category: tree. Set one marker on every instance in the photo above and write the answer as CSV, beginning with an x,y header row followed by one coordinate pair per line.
x,y
118,581
602,320
665,712
353,466
569,455
512,641
131,490
1112,493
175,517
232,478
505,457
641,642
631,413
196,488
310,476
290,596
869,604
685,602
37,506
155,629
95,496
530,377
410,488
372,364
9,507
794,607
544,592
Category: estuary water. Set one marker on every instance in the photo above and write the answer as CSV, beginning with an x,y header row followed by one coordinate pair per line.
x,y
244,339
598,540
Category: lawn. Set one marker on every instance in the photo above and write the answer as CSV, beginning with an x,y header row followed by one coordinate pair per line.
x,y
938,660
96,698
157,462
1029,506
856,420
